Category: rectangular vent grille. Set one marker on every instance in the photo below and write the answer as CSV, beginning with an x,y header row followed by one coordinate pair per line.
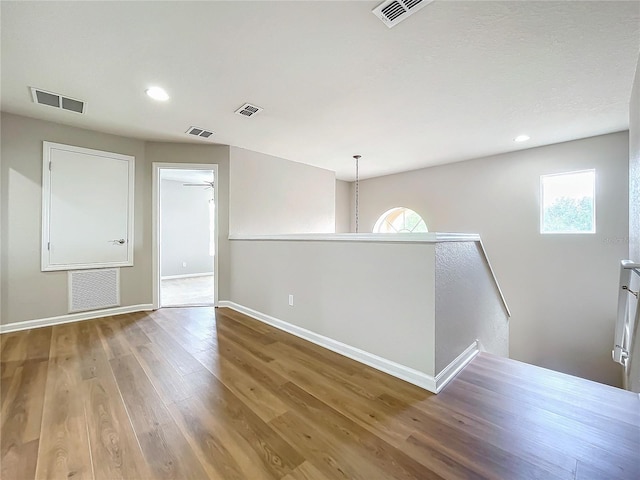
x,y
94,289
56,100
248,110
392,12
199,132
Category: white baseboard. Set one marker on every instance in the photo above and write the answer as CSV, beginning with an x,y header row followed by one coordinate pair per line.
x,y
451,370
403,372
187,275
73,317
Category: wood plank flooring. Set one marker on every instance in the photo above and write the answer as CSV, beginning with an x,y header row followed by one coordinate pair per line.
x,y
199,393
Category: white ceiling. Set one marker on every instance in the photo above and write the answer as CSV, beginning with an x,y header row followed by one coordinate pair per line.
x,y
457,80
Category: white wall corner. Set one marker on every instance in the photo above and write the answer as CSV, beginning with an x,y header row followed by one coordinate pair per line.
x,y
73,317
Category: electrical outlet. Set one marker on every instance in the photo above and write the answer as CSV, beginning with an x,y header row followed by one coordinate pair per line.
x,y
291,300
184,264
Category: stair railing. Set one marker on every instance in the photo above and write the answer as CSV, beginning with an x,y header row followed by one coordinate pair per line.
x,y
624,326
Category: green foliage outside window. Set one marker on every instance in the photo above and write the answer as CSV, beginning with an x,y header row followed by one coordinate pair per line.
x,y
569,215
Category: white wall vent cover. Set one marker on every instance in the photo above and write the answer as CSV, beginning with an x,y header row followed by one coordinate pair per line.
x,y
94,289
248,110
199,132
56,100
392,12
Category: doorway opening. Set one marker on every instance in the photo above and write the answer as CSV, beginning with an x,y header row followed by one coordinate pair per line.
x,y
185,221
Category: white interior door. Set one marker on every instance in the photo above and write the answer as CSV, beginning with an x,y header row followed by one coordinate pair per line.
x,y
89,209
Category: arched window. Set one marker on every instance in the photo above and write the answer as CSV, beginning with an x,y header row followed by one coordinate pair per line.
x,y
400,220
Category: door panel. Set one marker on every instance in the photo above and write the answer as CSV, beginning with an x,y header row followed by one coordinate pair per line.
x,y
89,209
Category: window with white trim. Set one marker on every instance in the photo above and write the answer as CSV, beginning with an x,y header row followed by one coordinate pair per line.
x,y
400,220
567,202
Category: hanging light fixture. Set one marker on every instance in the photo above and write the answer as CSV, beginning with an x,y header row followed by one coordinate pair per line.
x,y
357,157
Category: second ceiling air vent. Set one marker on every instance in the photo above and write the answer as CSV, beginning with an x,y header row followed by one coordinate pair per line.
x,y
199,132
56,100
248,110
392,12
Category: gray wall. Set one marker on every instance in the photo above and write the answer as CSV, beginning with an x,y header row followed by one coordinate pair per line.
x,y
184,229
2,225
213,154
28,293
562,289
270,195
342,291
343,206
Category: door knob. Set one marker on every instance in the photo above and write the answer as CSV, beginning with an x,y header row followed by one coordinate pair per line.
x,y
121,241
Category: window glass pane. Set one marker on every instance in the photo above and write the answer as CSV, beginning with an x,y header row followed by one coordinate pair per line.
x,y
400,220
412,220
568,203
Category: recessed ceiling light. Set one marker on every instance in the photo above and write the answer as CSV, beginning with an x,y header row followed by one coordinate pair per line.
x,y
522,138
157,93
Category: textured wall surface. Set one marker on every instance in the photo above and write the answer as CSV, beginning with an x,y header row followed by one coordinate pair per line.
x,y
634,217
634,170
468,304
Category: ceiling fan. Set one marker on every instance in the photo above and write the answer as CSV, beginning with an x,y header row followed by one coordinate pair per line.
x,y
204,184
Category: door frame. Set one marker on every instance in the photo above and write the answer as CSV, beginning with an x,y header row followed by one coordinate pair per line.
x,y
156,250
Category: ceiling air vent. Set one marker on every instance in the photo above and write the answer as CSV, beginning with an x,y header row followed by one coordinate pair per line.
x,y
248,110
58,101
199,132
392,12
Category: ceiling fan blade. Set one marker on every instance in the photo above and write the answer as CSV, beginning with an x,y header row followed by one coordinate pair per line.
x,y
204,184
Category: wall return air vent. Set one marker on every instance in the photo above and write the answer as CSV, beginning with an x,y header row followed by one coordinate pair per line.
x,y
392,12
248,110
199,132
58,101
93,289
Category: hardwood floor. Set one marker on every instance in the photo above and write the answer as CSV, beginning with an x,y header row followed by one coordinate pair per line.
x,y
199,393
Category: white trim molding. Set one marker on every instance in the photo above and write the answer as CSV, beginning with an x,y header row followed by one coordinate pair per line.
x,y
495,279
73,317
394,369
451,370
431,237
